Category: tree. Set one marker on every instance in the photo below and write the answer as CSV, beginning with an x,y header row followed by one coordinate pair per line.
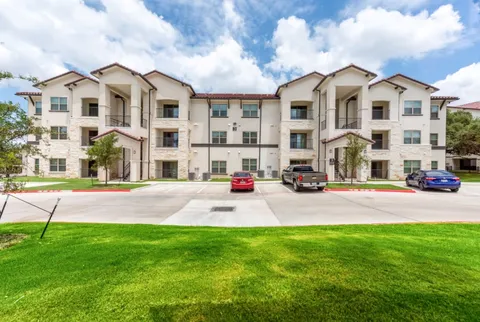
x,y
353,156
8,75
463,133
105,153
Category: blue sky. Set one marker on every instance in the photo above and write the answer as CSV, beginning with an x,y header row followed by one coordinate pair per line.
x,y
245,45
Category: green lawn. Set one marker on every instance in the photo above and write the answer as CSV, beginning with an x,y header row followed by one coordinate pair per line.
x,y
91,272
69,184
366,186
468,177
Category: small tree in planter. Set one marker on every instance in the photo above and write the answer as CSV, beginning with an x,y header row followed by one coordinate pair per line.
x,y
353,157
105,153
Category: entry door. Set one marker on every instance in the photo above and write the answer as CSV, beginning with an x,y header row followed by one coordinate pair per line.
x,y
376,169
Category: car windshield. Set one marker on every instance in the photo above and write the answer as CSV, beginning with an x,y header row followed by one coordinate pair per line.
x,y
241,175
304,168
437,173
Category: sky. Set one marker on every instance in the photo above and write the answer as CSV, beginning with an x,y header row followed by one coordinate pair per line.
x,y
244,46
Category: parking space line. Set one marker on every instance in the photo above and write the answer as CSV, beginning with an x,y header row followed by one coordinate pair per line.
x,y
258,189
168,190
284,187
201,189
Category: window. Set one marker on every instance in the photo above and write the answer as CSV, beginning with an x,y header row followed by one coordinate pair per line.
x,y
297,162
412,108
249,164
92,109
170,139
434,112
37,166
249,137
170,111
250,110
434,139
219,137
435,166
38,108
219,167
219,110
410,166
58,132
411,137
58,165
58,103
38,137
298,113
299,141
377,113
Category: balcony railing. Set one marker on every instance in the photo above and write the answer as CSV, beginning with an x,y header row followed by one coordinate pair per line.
x,y
87,173
166,173
380,145
87,141
118,120
301,144
167,113
89,111
348,123
381,115
379,174
301,114
166,142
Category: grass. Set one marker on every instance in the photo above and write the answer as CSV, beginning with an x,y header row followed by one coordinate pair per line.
x,y
69,184
93,272
468,177
367,186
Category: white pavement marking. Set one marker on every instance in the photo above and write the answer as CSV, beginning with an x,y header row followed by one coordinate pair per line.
x,y
258,189
201,189
284,187
173,188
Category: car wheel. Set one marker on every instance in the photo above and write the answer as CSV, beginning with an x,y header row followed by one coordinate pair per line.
x,y
232,190
406,183
421,186
283,180
296,187
455,190
321,188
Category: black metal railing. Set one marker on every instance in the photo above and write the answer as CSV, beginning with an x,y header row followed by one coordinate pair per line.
x,y
118,120
89,111
323,125
301,144
385,115
143,123
348,123
166,142
126,172
379,174
380,145
87,173
87,141
166,173
301,114
167,113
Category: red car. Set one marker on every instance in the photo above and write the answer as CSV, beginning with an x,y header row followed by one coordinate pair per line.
x,y
242,181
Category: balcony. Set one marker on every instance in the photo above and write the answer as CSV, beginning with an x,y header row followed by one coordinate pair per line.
x,y
348,123
87,141
380,145
90,107
301,144
380,110
167,112
118,120
167,142
166,169
297,113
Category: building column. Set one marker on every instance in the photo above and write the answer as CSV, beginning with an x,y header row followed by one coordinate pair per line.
x,y
135,107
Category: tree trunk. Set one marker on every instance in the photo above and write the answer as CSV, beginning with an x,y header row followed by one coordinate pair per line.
x,y
106,175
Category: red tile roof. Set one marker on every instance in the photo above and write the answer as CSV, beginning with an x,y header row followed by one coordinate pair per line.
x,y
119,132
345,134
172,78
468,106
135,73
428,86
235,96
58,76
441,98
341,70
297,79
388,82
81,79
28,93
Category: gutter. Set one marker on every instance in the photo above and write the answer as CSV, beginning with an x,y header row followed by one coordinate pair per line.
x,y
259,135
319,130
149,131
209,139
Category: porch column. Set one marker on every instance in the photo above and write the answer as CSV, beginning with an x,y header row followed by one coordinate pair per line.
x,y
136,99
103,106
331,110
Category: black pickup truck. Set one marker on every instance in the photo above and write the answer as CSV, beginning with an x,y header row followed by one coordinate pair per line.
x,y
303,176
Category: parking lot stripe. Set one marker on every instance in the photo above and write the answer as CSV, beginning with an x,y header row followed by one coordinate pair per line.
x,y
284,187
168,190
201,189
258,189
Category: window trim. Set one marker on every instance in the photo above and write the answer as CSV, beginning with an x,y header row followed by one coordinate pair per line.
x,y
59,104
58,132
250,112
219,111
431,139
412,137
411,166
57,165
249,167
219,167
249,137
437,117
413,108
36,108
220,137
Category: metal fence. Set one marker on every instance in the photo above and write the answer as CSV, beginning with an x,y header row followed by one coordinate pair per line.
x,y
380,145
298,114
89,111
166,142
301,144
87,173
378,174
86,141
118,120
166,173
348,123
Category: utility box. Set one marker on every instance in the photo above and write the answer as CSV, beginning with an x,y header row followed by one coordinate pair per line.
x,y
191,176
261,173
274,173
206,176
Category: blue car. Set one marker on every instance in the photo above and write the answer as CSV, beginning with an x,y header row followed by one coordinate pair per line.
x,y
433,179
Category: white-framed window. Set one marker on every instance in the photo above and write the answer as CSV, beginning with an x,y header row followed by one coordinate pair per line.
x,y
219,167
250,110
434,139
58,133
412,137
219,137
58,103
58,165
410,166
249,137
219,110
434,112
38,108
434,165
412,108
249,164
37,166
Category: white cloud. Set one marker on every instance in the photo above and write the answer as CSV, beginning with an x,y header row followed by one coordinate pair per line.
x,y
464,83
234,20
355,6
370,39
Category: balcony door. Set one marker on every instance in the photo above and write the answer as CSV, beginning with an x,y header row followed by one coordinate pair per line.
x,y
298,140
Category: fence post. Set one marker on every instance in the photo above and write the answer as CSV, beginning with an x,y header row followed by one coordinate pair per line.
x,y
50,218
4,205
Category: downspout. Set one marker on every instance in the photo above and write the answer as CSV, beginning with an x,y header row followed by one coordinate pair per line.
x,y
260,135
141,159
149,131
209,107
318,130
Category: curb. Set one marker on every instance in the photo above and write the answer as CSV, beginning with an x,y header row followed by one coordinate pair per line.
x,y
75,190
368,190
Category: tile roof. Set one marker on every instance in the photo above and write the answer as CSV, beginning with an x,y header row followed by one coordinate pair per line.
x,y
58,76
297,79
345,134
81,79
388,82
119,132
468,106
341,70
234,96
441,98
135,73
415,81
172,78
28,93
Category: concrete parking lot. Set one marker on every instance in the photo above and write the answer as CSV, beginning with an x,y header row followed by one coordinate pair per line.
x,y
271,204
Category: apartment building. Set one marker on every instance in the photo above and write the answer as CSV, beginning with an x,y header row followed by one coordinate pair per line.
x,y
464,162
167,130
